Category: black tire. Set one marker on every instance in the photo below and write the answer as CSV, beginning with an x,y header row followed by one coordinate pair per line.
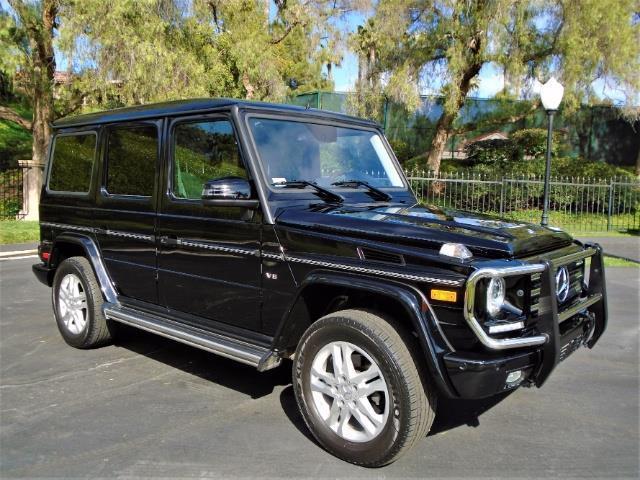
x,y
95,332
395,351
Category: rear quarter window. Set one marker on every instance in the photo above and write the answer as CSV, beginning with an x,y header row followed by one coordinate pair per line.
x,y
72,162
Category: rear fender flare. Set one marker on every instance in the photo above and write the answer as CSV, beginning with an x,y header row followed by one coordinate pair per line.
x,y
92,254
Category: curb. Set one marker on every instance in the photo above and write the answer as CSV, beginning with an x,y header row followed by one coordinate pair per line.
x,y
18,254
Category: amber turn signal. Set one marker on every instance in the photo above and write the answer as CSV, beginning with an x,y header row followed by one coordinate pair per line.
x,y
444,295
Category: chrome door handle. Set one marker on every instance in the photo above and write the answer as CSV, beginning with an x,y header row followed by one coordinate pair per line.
x,y
169,241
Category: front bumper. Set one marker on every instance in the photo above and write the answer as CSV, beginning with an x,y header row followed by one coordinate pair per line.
x,y
559,333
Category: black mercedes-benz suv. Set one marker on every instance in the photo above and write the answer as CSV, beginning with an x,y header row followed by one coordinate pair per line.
x,y
267,232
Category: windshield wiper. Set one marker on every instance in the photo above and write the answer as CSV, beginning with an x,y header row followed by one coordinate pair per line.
x,y
320,191
376,193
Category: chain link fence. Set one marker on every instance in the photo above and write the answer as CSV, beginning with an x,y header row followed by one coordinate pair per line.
x,y
575,203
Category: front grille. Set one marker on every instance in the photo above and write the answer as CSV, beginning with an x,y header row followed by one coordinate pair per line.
x,y
576,288
536,284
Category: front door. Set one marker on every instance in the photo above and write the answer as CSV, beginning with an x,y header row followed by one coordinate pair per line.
x,y
209,256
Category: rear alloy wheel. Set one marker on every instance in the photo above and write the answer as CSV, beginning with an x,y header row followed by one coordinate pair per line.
x,y
72,303
77,304
359,389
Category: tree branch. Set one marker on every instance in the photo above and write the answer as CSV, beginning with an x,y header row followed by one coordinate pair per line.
x,y
498,120
74,104
550,49
287,31
11,115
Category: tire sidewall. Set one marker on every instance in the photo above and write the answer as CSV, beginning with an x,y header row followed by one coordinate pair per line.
x,y
371,452
65,268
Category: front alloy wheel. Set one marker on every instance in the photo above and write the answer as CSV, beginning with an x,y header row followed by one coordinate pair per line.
x,y
359,389
349,391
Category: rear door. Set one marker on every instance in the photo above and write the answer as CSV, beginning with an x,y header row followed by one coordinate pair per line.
x,y
209,257
126,207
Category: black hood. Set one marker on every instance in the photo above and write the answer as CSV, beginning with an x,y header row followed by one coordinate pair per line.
x,y
428,227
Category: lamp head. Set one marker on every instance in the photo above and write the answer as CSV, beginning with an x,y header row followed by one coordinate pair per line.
x,y
551,94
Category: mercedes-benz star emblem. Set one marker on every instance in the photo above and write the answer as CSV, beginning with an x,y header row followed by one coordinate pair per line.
x,y
562,284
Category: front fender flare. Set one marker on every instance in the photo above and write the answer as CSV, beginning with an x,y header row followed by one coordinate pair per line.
x,y
416,306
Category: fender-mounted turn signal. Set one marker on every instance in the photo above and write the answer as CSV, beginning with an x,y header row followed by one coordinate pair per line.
x,y
444,295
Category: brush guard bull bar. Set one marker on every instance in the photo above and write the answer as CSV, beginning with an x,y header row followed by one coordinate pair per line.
x,y
559,330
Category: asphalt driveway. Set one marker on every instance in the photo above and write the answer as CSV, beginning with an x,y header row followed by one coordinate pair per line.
x,y
150,407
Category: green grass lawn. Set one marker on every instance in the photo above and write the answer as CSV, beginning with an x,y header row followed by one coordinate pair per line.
x,y
618,262
584,224
18,231
15,141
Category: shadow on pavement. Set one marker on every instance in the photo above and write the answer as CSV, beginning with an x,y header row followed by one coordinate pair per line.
x,y
205,365
290,408
450,414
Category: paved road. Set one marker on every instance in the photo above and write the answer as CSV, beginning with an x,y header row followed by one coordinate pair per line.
x,y
149,407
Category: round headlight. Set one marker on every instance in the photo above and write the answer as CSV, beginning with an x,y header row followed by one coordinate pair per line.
x,y
495,296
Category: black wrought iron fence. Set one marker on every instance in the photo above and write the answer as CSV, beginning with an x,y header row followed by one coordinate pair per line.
x,y
576,203
11,185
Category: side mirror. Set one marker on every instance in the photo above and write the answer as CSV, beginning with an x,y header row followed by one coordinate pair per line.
x,y
228,192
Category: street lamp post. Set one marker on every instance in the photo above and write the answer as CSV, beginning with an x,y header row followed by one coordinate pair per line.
x,y
551,96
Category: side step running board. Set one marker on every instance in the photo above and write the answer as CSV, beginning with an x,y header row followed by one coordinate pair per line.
x,y
256,356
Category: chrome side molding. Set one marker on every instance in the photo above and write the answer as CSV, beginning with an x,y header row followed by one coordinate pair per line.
x,y
259,357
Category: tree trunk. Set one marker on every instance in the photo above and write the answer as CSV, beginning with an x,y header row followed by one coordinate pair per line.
x,y
11,115
445,122
43,66
439,142
249,88
638,162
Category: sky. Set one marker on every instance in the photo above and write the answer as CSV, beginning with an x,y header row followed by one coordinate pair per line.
x,y
490,82
491,79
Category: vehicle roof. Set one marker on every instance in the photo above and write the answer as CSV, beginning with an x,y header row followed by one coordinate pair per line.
x,y
196,105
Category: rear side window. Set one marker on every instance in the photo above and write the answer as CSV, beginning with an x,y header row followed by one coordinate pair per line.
x,y
72,163
132,155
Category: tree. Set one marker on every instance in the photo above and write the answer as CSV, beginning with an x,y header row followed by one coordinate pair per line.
x,y
446,43
126,52
26,38
27,42
169,49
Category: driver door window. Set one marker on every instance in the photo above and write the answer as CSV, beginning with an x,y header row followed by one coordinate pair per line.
x,y
204,150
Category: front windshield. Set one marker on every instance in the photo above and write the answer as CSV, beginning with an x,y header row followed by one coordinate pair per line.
x,y
322,154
